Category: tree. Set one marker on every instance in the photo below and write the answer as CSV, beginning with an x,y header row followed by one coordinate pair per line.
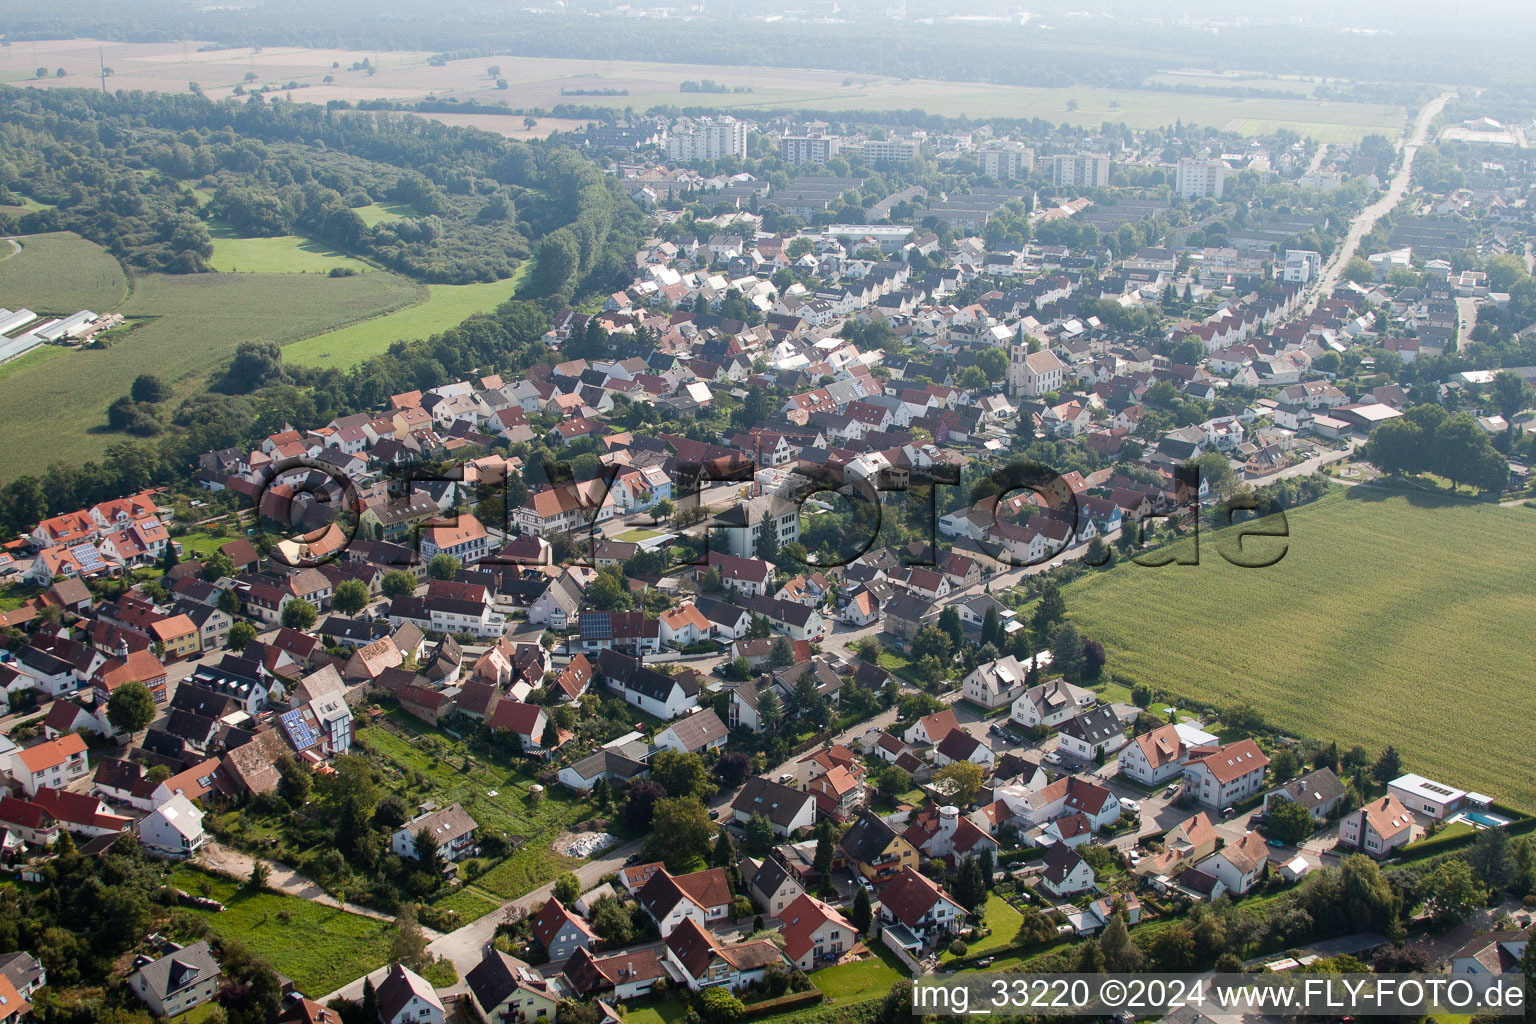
x,y
1051,610
602,793
932,642
612,921
732,769
1388,766
949,622
131,707
640,802
1289,821
1121,955
682,773
1068,652
782,653
1511,394
443,566
229,602
893,780
969,888
299,614
217,566
350,597
991,628
370,1007
149,388
408,943
1451,892
1173,949
240,634
294,782
663,509
680,832
567,888
427,853
1284,765
988,867
398,583
862,915
259,875
717,1006
966,779
757,835
1492,857
822,862
724,854
1358,271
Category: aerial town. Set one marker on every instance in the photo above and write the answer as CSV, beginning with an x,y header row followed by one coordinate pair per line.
x,y
736,643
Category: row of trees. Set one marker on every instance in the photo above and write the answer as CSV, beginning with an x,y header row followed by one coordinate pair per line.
x,y
1428,439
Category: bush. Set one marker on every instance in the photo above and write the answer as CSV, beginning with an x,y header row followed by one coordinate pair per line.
x,y
958,948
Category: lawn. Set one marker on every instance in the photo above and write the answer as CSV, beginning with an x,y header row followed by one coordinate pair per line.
x,y
184,328
657,1011
637,535
445,305
61,273
1004,922
319,947
1383,603
284,254
378,213
854,983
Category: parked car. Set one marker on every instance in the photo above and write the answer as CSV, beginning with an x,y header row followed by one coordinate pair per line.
x,y
714,815
1172,789
786,778
633,859
1227,812
1052,758
1134,857
1131,805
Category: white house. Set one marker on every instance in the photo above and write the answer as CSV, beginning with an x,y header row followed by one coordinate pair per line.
x,y
405,997
174,829
1218,777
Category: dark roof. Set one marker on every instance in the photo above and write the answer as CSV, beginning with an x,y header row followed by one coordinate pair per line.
x,y
1060,861
868,838
779,804
180,970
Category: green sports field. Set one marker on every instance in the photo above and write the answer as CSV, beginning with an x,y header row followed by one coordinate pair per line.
x,y
1392,618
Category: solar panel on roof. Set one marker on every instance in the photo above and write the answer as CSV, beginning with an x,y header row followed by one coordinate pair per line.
x,y
88,557
303,736
597,626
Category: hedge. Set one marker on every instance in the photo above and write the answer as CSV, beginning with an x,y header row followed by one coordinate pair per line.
x,y
1020,855
788,1001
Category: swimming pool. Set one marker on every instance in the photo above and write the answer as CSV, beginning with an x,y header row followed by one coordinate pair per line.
x,y
1483,819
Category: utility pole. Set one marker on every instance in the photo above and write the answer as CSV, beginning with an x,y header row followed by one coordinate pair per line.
x,y
101,57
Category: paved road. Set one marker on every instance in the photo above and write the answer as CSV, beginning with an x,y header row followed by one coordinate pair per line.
x,y
1374,212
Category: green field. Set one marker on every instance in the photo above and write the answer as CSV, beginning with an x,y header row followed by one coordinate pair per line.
x,y
1392,618
284,254
319,947
60,273
182,328
446,305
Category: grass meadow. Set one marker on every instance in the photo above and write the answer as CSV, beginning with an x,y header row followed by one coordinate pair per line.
x,y
283,254
321,948
1393,618
446,305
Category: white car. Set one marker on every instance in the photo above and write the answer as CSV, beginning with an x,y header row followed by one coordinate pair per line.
x,y
1131,805
1133,857
1052,758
